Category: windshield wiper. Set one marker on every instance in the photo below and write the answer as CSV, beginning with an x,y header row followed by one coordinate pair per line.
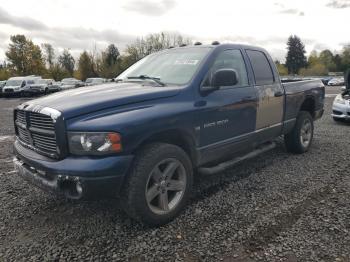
x,y
142,77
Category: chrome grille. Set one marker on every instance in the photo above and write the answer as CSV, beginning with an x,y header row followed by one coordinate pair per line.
x,y
44,142
37,131
23,134
21,117
41,121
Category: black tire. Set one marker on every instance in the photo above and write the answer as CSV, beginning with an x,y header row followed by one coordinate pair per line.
x,y
293,140
133,195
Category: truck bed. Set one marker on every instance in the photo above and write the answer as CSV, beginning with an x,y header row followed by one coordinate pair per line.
x,y
298,91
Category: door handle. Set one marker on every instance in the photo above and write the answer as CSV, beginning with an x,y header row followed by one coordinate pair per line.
x,y
278,93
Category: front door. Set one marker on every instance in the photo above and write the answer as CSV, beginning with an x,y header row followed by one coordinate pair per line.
x,y
227,116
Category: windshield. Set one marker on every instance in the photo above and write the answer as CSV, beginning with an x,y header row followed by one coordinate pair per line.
x,y
13,82
174,66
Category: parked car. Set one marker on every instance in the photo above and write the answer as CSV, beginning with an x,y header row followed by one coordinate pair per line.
x,y
341,103
2,84
336,82
200,108
69,83
19,84
325,80
94,81
41,86
52,86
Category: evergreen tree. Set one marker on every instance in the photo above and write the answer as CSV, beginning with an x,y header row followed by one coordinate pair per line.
x,y
296,58
49,53
67,61
86,66
111,55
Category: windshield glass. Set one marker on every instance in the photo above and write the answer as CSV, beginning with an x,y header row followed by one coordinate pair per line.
x,y
89,80
13,82
174,66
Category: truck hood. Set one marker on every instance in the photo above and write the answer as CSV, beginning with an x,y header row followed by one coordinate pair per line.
x,y
84,100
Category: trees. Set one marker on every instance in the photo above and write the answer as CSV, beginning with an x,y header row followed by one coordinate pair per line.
x,y
316,69
326,57
296,58
67,61
57,72
24,56
4,72
315,65
282,69
111,55
49,53
150,44
345,58
109,63
86,67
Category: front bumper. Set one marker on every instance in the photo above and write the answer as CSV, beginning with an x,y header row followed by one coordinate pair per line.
x,y
34,91
74,177
341,111
11,91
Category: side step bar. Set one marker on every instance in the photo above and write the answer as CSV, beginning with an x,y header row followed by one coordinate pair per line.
x,y
224,165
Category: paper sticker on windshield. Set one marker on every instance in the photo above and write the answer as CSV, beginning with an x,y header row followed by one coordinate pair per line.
x,y
186,62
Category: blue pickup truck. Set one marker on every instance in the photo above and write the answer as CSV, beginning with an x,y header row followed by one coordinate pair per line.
x,y
184,111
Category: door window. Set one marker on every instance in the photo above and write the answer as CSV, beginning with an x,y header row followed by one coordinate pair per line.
x,y
230,59
261,67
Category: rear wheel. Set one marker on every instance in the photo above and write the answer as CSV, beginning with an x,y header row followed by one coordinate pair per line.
x,y
158,184
300,138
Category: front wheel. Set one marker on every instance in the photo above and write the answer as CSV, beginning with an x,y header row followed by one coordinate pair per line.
x,y
300,138
158,185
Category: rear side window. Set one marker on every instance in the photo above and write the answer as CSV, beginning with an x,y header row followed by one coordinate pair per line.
x,y
262,68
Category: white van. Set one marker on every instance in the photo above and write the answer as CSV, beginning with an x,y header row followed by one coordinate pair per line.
x,y
19,84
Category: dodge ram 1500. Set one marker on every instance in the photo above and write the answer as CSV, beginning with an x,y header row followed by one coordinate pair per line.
x,y
175,113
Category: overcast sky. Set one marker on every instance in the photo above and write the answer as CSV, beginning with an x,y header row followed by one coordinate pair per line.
x,y
79,24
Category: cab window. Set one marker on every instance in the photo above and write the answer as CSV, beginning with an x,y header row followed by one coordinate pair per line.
x,y
229,59
261,67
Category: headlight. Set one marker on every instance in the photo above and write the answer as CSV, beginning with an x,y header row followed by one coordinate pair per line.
x,y
339,100
91,143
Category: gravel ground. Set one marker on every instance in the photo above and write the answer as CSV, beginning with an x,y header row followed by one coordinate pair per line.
x,y
276,207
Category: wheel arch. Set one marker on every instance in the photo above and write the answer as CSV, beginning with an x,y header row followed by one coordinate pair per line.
x,y
177,137
309,105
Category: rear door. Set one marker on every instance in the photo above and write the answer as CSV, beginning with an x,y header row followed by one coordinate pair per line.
x,y
270,94
226,117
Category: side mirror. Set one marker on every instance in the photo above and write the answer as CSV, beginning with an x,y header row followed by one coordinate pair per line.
x,y
224,77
